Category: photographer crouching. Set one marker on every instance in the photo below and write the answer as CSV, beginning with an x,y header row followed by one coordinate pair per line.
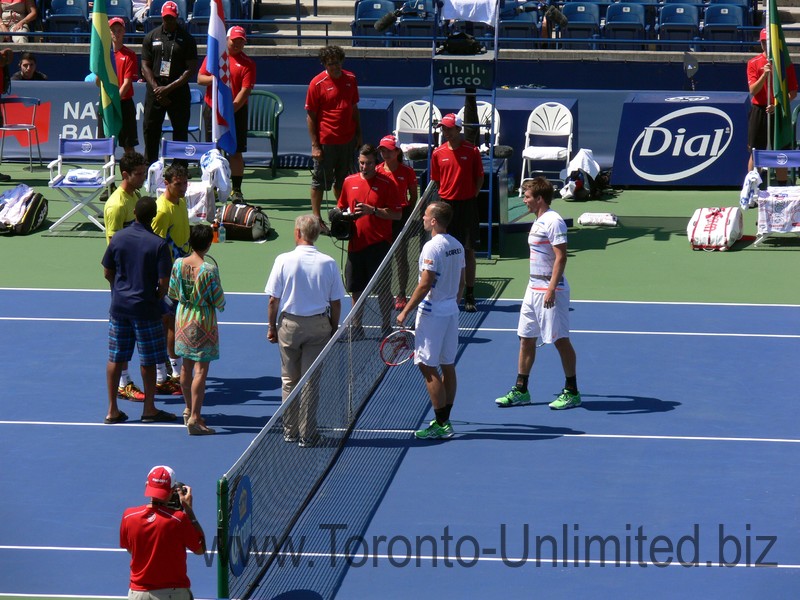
x,y
157,536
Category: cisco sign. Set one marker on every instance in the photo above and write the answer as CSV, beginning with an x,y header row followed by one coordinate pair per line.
x,y
702,143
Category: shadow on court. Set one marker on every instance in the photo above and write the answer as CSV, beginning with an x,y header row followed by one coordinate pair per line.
x,y
627,405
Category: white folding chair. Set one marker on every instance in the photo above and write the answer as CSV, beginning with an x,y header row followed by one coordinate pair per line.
x,y
414,124
548,142
200,196
82,186
488,128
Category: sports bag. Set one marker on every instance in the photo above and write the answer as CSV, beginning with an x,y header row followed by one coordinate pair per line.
x,y
244,222
22,210
715,228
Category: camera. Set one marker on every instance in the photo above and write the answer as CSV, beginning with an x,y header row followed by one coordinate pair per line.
x,y
174,501
341,224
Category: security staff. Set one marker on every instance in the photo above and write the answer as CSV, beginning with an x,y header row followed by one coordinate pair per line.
x,y
169,60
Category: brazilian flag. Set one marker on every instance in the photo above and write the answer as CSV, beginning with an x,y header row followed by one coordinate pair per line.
x,y
778,53
101,63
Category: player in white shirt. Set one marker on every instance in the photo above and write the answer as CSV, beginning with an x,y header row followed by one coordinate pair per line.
x,y
545,309
436,298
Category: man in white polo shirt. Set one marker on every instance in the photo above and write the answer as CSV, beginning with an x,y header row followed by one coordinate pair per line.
x,y
305,303
442,277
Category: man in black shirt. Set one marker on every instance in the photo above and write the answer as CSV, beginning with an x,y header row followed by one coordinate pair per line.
x,y
169,60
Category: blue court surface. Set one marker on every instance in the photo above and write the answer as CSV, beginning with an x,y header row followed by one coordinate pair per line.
x,y
677,477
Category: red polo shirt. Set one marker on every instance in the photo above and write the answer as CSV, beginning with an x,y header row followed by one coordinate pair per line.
x,y
334,102
456,170
404,178
127,68
242,74
378,191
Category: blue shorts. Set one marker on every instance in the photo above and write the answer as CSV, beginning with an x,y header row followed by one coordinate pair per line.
x,y
148,336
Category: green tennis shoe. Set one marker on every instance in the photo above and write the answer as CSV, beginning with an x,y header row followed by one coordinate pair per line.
x,y
434,431
514,398
566,400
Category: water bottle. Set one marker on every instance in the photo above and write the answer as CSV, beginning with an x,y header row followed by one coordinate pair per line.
x,y
221,234
215,227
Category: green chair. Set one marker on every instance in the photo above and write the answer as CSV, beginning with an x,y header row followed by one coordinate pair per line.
x,y
263,113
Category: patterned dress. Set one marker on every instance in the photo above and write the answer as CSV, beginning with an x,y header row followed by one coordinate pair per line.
x,y
199,295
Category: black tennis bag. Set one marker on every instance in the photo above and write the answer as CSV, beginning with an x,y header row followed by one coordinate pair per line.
x,y
22,211
244,222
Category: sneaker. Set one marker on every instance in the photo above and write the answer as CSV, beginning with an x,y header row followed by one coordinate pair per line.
x,y
311,441
448,429
169,387
400,302
566,400
469,304
290,438
237,197
131,392
514,398
434,431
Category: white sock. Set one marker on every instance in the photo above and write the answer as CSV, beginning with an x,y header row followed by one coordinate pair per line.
x,y
161,373
176,366
124,378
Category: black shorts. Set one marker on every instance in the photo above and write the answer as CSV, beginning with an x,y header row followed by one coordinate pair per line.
x,y
338,161
362,265
397,226
239,119
465,226
757,129
129,133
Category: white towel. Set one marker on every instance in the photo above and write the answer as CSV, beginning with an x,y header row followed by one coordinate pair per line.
x,y
545,153
477,11
217,172
584,161
607,219
749,195
84,176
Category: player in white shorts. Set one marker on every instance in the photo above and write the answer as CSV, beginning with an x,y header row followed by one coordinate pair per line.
x,y
545,309
436,298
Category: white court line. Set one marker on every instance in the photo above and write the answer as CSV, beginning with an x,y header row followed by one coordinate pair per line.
x,y
426,558
471,329
129,424
620,436
496,301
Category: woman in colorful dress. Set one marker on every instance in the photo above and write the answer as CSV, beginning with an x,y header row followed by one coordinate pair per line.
x,y
195,285
17,15
405,179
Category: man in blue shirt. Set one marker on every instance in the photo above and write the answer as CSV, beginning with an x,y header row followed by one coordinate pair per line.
x,y
137,265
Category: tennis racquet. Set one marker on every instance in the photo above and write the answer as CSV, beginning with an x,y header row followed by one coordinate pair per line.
x,y
398,347
208,259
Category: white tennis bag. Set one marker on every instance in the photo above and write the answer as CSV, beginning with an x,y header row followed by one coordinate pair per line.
x,y
715,228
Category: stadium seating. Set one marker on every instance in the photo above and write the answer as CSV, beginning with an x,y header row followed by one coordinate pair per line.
x,y
625,21
367,13
418,20
723,22
124,10
678,22
747,11
201,11
523,25
650,12
584,23
68,16
154,18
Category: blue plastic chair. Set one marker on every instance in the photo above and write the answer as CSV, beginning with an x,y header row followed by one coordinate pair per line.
x,y
122,9
678,22
523,25
418,20
584,23
68,16
626,21
723,22
196,98
154,16
367,13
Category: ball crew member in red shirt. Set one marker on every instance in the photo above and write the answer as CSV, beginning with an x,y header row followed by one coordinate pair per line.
x,y
457,167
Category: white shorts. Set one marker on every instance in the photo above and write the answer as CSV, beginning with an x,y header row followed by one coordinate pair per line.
x,y
436,340
536,321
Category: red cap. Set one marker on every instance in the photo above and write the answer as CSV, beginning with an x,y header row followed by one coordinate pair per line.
x,y
169,8
159,482
763,36
451,120
116,21
237,32
389,142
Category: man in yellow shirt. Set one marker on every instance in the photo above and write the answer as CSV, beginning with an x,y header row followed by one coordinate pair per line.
x,y
172,223
118,213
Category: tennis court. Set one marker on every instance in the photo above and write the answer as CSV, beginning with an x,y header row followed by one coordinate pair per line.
x,y
683,451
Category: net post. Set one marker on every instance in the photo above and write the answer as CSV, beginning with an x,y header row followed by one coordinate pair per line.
x,y
222,538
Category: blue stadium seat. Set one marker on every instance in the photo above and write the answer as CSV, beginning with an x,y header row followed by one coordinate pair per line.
x,y
154,18
68,16
747,11
650,12
367,13
122,9
584,22
522,25
678,22
418,20
201,11
602,5
723,22
625,21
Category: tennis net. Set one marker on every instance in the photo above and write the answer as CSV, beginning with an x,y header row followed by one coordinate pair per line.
x,y
264,493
